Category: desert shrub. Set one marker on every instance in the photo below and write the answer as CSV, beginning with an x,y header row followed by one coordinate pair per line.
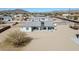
x,y
75,17
74,27
17,39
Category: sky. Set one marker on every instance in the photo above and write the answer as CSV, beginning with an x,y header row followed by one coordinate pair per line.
x,y
40,9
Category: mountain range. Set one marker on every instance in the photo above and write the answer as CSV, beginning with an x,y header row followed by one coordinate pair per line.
x,y
23,11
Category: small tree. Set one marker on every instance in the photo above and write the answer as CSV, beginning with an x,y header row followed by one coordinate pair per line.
x,y
75,26
67,17
75,18
17,39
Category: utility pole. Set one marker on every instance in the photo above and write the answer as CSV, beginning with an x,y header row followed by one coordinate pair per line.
x,y
68,13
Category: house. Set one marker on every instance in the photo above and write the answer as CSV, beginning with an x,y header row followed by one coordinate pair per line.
x,y
70,16
38,24
5,18
65,15
39,18
18,17
30,26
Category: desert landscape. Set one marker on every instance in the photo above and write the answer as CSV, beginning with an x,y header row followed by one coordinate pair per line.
x,y
47,32
60,39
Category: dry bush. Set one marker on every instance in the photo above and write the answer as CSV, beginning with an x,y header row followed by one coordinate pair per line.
x,y
74,27
17,39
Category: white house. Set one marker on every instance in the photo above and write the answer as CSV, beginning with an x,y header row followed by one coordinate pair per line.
x,y
18,17
6,18
39,18
38,24
65,15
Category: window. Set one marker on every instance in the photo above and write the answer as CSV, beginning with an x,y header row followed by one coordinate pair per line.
x,y
27,28
44,28
43,18
34,28
50,28
42,23
9,20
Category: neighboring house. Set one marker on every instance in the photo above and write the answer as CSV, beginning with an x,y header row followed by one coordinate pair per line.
x,y
18,17
70,16
38,24
65,15
39,18
5,18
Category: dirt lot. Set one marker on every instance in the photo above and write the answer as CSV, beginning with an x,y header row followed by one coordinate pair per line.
x,y
59,40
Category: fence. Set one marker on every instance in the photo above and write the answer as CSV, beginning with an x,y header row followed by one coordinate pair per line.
x,y
4,28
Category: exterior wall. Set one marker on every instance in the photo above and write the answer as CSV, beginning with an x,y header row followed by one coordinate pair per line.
x,y
26,29
38,18
29,29
7,18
